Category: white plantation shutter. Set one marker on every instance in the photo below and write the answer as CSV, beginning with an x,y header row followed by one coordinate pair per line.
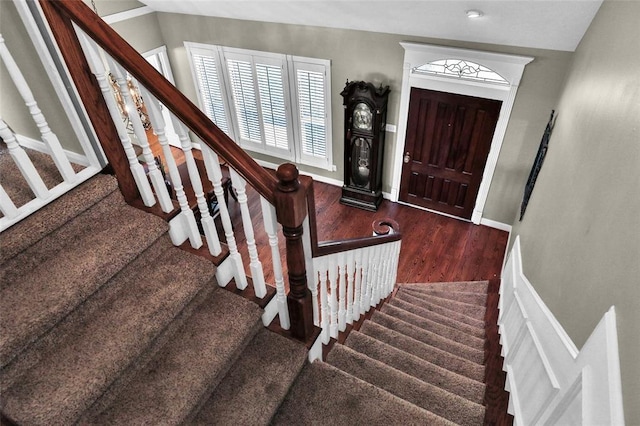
x,y
311,103
274,113
244,99
206,73
269,103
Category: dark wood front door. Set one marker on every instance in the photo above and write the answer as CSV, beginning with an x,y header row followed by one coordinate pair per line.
x,y
447,144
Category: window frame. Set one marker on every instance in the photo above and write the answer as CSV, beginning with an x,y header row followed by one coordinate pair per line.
x,y
289,66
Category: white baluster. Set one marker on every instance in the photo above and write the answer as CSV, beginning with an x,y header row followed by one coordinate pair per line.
x,y
312,279
7,207
214,173
271,228
332,268
255,266
324,301
368,291
350,285
357,287
158,124
23,162
157,180
137,171
342,295
375,267
379,279
48,137
208,225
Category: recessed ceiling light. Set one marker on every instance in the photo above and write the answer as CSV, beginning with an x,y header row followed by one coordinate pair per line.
x,y
474,14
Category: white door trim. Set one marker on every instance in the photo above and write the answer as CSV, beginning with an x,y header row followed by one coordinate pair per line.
x,y
510,67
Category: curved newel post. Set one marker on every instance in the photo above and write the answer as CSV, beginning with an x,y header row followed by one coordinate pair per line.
x,y
158,124
291,210
48,137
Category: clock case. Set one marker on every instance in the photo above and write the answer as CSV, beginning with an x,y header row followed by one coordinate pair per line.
x,y
364,145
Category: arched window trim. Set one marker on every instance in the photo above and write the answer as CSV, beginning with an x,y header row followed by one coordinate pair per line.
x,y
461,69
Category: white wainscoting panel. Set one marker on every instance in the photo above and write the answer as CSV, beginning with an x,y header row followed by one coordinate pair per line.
x,y
550,381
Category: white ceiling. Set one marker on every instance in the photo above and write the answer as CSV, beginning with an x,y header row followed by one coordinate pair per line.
x,y
545,24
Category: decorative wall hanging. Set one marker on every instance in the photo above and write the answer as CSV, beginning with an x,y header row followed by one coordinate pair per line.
x,y
537,164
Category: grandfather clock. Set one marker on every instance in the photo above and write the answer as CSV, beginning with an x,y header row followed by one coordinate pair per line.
x,y
365,118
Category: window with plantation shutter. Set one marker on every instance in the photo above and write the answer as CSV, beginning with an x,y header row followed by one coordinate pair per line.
x,y
273,104
208,82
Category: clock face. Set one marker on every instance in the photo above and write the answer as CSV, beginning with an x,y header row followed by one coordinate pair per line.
x,y
362,117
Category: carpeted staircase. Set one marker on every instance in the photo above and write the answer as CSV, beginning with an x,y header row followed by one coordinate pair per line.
x,y
418,360
103,321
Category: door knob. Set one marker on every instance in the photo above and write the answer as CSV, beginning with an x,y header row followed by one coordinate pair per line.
x,y
407,157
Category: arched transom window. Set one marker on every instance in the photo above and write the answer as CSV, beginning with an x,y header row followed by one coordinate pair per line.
x,y
460,68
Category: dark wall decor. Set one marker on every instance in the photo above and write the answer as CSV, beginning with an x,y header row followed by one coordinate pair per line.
x,y
537,164
365,119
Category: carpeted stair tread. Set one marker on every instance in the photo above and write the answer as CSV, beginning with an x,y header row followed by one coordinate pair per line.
x,y
256,385
325,395
462,286
417,367
67,266
427,337
438,308
434,327
432,398
86,352
472,330
52,216
422,350
478,299
470,310
182,375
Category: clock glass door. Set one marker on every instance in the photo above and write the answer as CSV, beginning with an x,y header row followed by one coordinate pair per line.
x,y
360,162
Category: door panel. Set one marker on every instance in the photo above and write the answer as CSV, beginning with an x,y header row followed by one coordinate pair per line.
x,y
447,144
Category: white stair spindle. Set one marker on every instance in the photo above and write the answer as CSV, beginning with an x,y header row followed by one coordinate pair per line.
x,y
350,285
332,268
7,207
208,225
158,124
255,265
312,279
342,294
357,285
137,171
214,173
324,302
271,228
157,180
366,280
23,162
48,137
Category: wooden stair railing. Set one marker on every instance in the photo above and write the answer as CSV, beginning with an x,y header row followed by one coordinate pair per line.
x,y
291,194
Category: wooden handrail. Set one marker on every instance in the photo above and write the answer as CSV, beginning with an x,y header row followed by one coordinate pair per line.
x,y
323,248
263,181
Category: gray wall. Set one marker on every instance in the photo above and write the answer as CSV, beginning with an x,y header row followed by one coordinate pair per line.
x,y
12,107
378,58
581,232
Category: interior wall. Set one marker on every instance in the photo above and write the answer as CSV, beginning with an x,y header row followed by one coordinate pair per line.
x,y
377,57
581,231
12,106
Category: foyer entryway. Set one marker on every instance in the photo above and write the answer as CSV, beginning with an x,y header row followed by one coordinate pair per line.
x,y
447,143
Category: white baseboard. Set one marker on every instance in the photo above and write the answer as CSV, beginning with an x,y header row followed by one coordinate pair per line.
x,y
36,145
495,224
550,381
